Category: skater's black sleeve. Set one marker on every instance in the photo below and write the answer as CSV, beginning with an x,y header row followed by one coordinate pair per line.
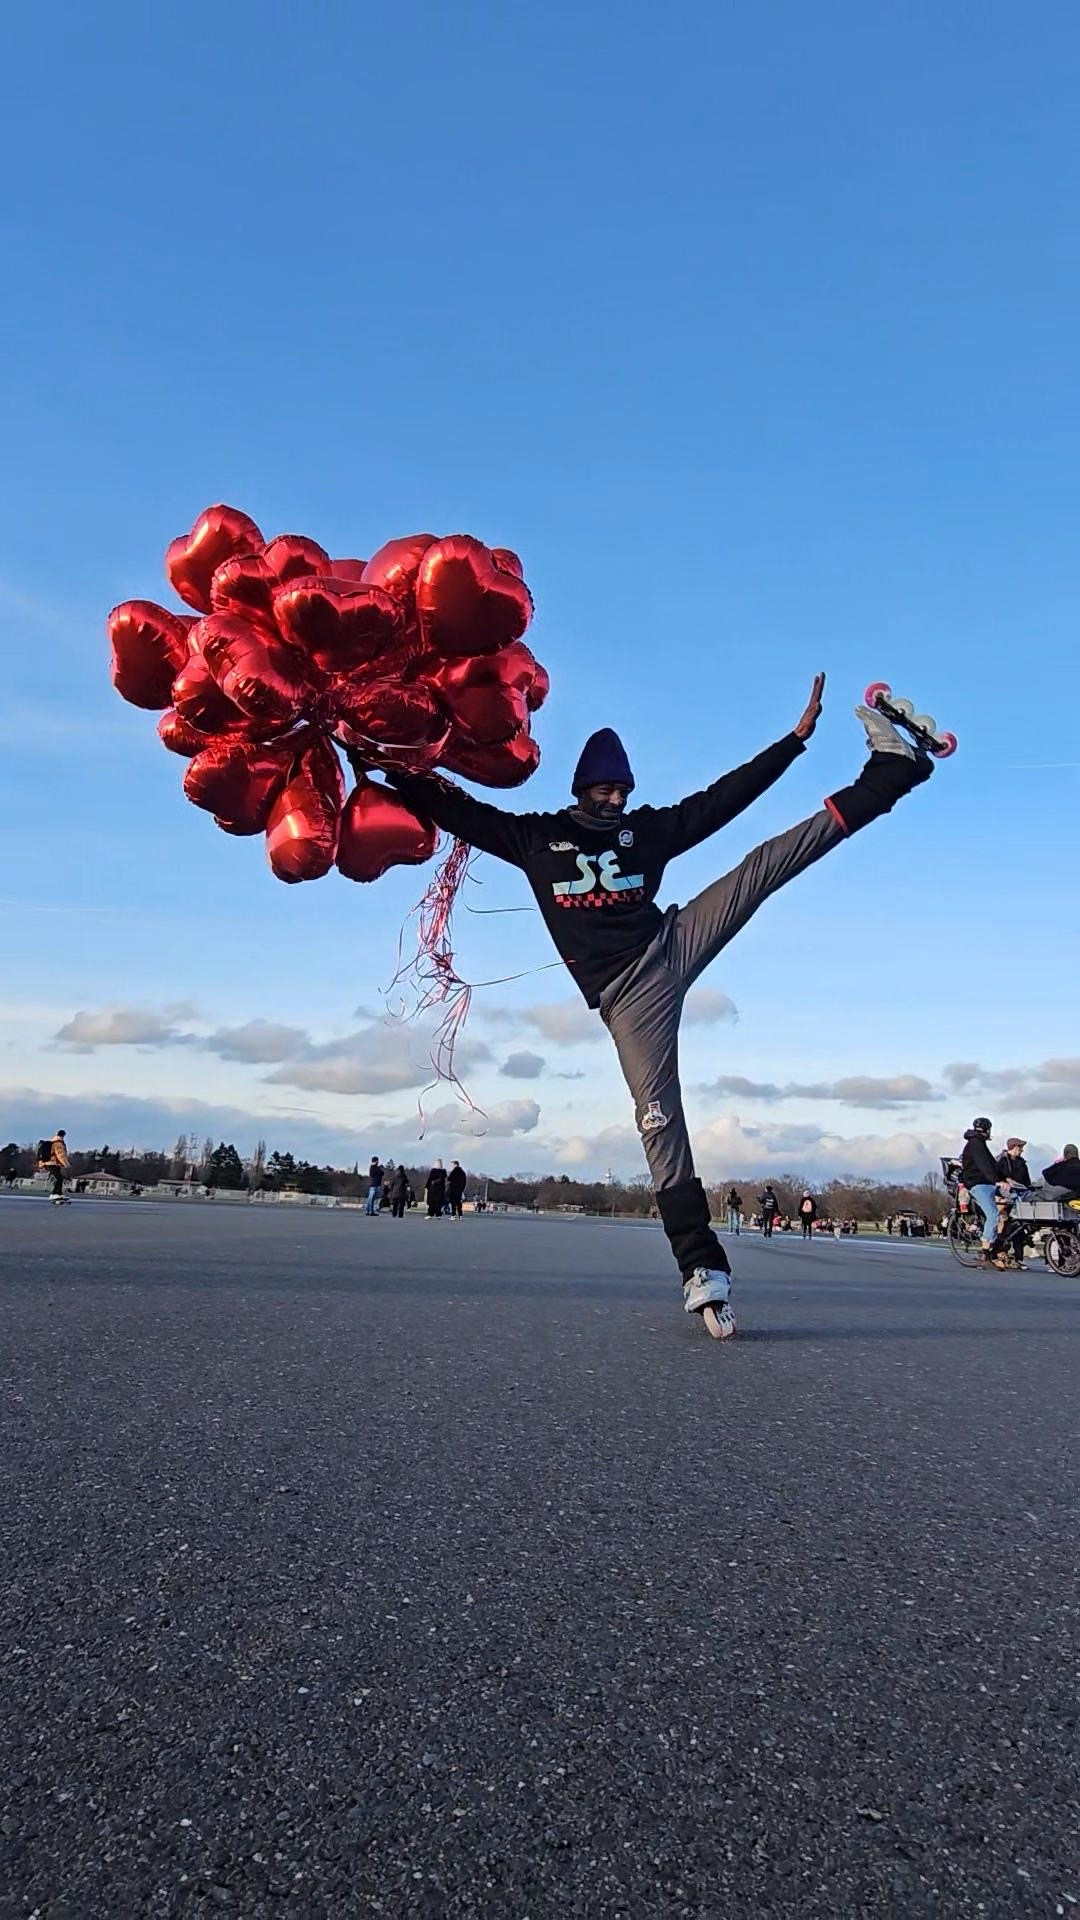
x,y
700,814
474,821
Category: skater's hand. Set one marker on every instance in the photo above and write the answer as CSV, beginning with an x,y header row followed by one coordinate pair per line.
x,y
804,728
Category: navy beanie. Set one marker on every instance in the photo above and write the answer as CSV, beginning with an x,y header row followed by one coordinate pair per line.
x,y
603,763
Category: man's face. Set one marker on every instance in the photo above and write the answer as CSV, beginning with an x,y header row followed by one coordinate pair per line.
x,y
605,802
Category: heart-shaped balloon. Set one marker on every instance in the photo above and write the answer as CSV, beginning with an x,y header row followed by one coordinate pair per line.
x,y
340,624
391,723
523,670
347,569
292,555
238,782
192,559
179,736
261,674
509,765
507,559
379,831
302,832
244,585
485,694
200,702
394,567
465,602
149,646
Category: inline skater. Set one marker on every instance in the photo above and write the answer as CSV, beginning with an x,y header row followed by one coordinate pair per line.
x,y
595,870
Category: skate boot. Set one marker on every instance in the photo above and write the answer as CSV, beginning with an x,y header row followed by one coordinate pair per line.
x,y
709,1294
684,1210
894,768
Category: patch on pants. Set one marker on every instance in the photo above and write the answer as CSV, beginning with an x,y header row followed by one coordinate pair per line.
x,y
653,1118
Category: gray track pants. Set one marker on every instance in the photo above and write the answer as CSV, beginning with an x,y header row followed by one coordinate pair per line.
x,y
643,1007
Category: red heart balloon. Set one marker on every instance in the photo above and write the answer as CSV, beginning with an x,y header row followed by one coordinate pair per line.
x,y
391,723
302,832
237,782
394,567
507,559
379,831
179,736
467,604
200,702
149,646
244,585
262,675
340,624
524,670
347,569
485,694
540,688
291,555
192,559
509,765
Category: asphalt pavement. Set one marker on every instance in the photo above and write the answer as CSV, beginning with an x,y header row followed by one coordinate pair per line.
x,y
364,1567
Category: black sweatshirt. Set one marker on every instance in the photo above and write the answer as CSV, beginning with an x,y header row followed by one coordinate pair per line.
x,y
596,882
978,1168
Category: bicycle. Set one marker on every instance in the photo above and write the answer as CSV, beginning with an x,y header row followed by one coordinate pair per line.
x,y
1051,1227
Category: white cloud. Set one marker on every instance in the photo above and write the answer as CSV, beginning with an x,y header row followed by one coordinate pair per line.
x,y
561,1022
1051,1086
125,1120
729,1145
856,1090
258,1042
377,1059
523,1066
502,1121
705,1006
119,1027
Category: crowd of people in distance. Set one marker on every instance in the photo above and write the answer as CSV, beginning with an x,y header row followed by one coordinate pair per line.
x,y
444,1191
769,1219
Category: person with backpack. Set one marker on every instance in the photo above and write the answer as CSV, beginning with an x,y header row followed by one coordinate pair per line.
x,y
52,1158
770,1207
807,1214
455,1188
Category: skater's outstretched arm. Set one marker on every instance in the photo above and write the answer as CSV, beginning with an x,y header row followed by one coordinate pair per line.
x,y
692,820
474,821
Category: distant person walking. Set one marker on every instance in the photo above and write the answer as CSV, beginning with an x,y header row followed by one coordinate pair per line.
x,y
399,1193
455,1188
375,1180
435,1190
734,1211
53,1160
807,1213
770,1207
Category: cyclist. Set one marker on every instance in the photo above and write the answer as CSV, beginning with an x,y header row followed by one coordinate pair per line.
x,y
979,1173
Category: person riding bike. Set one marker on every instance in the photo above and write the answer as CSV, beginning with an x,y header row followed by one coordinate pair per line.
x,y
979,1173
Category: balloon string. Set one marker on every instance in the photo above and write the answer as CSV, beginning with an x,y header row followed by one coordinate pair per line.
x,y
434,977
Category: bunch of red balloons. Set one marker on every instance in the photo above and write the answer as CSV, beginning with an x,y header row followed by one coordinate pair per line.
x,y
412,660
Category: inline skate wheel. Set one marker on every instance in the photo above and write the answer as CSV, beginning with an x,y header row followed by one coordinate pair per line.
x,y
905,708
925,722
874,690
944,745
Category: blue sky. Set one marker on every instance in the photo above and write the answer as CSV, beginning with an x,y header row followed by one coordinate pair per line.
x,y
753,330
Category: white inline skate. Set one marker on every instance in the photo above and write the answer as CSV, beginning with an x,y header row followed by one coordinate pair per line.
x,y
708,1292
